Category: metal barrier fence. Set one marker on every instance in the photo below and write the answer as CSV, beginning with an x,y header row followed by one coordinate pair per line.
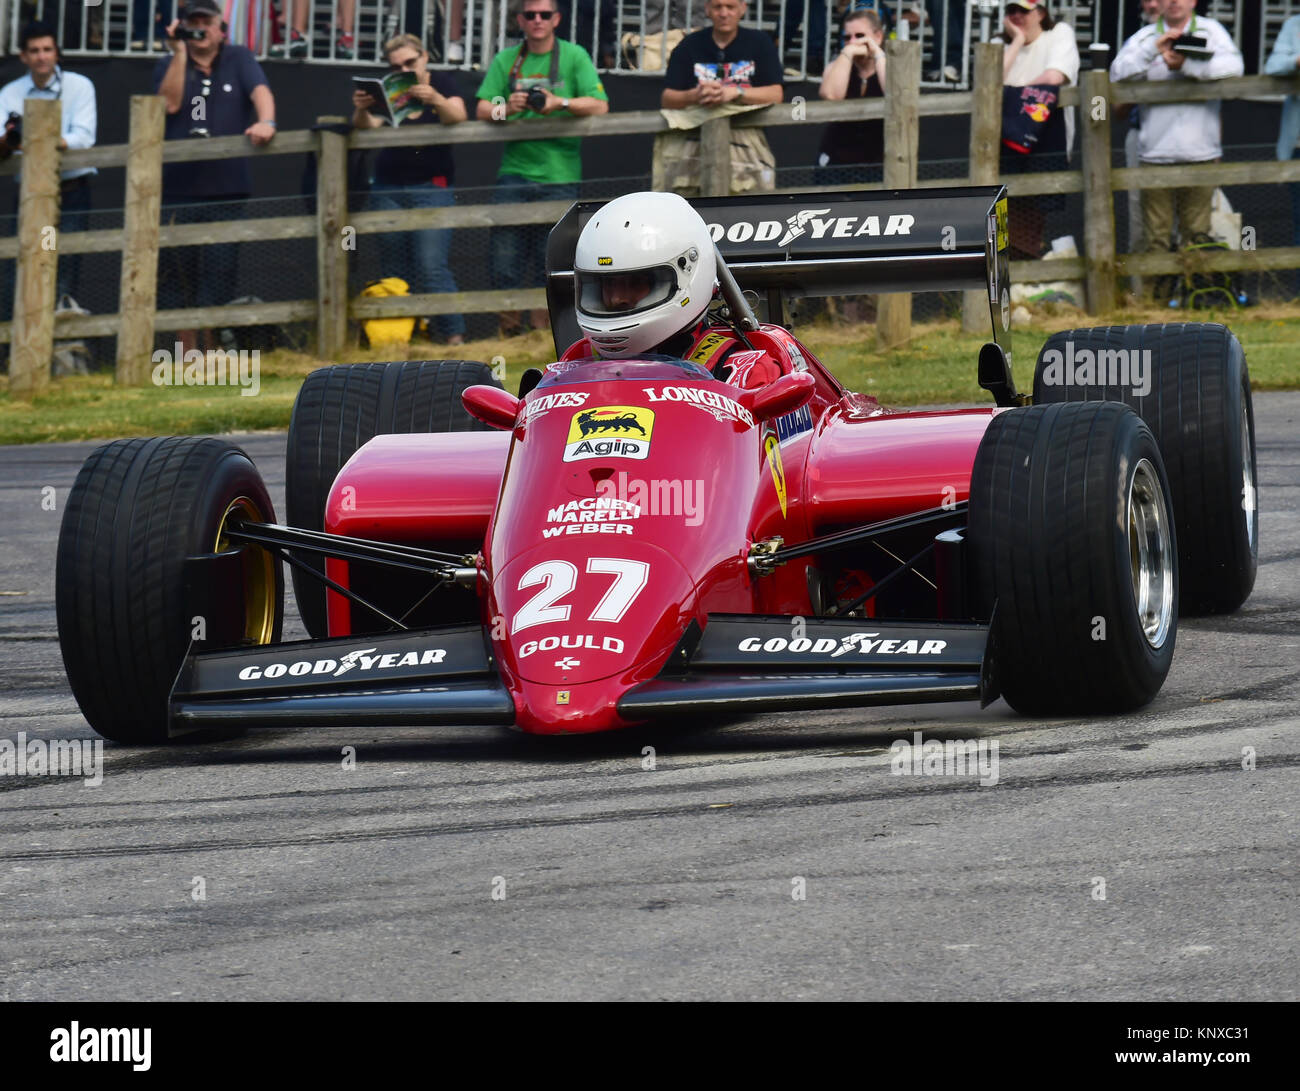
x,y
331,222
621,35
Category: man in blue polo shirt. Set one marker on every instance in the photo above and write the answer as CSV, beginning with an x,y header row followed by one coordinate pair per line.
x,y
211,88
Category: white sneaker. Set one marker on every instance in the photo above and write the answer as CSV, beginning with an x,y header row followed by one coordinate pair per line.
x,y
455,52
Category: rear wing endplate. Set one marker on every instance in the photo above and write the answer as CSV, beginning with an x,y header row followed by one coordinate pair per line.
x,y
844,243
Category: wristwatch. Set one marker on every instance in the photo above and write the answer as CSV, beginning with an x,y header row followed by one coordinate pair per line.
x,y
564,104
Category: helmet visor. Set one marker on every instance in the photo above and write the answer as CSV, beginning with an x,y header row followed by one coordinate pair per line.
x,y
611,294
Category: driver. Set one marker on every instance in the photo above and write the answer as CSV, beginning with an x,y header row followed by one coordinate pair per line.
x,y
646,271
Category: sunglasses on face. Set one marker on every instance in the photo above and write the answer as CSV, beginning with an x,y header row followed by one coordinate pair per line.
x,y
531,15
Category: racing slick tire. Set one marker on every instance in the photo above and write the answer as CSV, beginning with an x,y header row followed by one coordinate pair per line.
x,y
126,615
1071,537
340,408
1197,403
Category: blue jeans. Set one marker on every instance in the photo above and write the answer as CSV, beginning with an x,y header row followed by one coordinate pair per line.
x,y
419,257
199,276
519,253
162,10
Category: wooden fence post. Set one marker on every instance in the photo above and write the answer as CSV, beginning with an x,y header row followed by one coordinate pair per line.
x,y
1098,200
38,213
138,294
715,157
985,151
902,130
331,256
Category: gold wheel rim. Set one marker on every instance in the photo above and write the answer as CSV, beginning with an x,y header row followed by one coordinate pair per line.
x,y
259,586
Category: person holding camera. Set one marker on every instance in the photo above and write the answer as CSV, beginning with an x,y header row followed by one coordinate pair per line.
x,y
543,77
1180,44
211,88
45,79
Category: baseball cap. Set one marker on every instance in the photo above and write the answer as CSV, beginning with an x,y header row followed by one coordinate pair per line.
x,y
202,7
1026,5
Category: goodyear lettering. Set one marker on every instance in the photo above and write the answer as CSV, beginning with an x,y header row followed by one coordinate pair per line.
x,y
335,667
861,643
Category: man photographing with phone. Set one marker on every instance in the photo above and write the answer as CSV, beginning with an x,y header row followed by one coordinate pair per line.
x,y
211,88
1178,132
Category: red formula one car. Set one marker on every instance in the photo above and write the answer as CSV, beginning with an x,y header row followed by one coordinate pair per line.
x,y
628,540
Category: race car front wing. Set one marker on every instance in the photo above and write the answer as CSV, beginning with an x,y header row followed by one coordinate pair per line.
x,y
446,676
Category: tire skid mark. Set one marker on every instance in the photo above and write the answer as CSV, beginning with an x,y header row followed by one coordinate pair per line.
x,y
695,810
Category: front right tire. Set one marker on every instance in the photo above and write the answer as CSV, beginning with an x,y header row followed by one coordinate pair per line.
x,y
1074,557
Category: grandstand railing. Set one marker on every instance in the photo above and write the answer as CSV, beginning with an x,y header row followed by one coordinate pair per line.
x,y
610,30
35,326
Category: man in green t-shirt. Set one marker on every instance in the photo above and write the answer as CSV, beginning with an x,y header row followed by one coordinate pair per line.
x,y
536,170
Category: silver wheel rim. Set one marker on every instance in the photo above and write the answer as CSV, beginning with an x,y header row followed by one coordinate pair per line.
x,y
1248,499
1151,559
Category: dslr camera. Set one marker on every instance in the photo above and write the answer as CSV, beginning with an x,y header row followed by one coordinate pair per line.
x,y
536,100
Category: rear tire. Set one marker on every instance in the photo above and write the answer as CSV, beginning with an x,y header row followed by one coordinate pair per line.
x,y
137,510
1067,502
1199,408
339,409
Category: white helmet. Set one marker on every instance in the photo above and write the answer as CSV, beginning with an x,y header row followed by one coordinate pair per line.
x,y
644,270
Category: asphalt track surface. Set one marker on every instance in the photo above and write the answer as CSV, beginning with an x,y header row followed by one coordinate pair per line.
x,y
678,882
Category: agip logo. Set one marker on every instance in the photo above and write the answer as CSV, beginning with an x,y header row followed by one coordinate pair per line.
x,y
610,431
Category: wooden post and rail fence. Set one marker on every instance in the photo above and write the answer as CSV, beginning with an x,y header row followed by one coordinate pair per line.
x,y
35,327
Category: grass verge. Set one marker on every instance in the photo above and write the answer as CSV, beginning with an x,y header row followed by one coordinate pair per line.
x,y
936,367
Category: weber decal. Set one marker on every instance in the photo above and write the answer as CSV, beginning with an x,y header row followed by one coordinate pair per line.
x,y
592,515
610,431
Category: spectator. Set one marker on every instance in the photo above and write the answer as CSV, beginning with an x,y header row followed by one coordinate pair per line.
x,y
1284,60
211,88
295,43
858,71
536,170
1182,132
1150,12
814,31
1041,54
947,34
590,26
143,34
664,26
417,177
76,94
722,66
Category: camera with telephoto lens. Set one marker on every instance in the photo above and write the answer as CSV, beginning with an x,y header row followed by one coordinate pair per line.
x,y
14,130
536,100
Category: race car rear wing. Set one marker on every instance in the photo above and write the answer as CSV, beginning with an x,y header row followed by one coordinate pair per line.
x,y
819,244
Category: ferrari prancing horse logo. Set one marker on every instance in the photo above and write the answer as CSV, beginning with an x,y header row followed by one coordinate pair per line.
x,y
772,446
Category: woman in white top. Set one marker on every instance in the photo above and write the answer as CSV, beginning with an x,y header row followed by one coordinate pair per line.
x,y
1039,51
